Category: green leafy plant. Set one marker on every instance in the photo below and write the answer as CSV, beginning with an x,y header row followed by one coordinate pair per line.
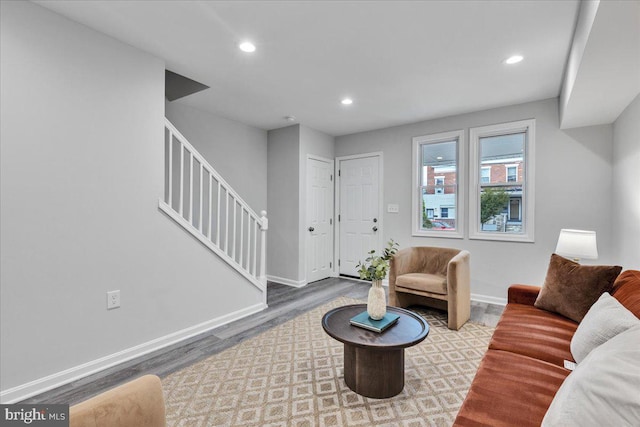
x,y
492,202
426,222
375,267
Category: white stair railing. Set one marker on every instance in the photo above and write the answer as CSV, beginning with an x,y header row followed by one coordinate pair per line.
x,y
200,200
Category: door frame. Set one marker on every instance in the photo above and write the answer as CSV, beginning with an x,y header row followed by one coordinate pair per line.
x,y
336,204
331,163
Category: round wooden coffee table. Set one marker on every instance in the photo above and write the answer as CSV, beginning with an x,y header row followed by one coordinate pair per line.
x,y
374,362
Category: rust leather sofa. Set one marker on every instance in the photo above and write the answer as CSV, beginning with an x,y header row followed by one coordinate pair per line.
x,y
524,366
138,403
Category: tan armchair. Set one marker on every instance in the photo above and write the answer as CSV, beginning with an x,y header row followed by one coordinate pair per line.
x,y
436,277
138,403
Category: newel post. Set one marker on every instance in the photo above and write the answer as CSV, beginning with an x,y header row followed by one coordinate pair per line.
x,y
264,226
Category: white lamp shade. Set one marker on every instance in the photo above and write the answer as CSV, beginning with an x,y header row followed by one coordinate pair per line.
x,y
579,244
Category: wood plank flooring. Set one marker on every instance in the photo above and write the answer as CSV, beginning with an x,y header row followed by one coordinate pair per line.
x,y
284,303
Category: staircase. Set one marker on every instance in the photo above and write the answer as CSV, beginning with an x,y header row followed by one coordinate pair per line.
x,y
202,202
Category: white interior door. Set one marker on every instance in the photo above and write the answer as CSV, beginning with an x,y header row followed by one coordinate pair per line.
x,y
359,211
319,242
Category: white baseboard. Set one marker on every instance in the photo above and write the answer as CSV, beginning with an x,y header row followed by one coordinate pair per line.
x,y
488,299
41,385
288,282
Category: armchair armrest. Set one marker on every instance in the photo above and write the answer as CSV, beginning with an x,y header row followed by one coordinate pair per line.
x,y
523,294
458,273
459,290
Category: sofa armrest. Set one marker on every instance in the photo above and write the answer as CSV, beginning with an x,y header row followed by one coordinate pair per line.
x,y
138,403
523,294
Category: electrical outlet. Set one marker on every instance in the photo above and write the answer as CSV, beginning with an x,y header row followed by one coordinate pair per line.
x,y
113,299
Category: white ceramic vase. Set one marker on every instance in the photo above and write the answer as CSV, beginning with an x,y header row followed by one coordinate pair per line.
x,y
377,302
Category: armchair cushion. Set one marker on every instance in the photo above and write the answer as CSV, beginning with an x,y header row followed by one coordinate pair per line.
x,y
434,283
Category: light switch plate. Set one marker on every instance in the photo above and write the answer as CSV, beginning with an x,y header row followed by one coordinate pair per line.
x,y
393,208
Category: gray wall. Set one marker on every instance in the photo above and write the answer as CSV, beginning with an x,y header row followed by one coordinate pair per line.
x,y
287,175
283,198
236,151
626,186
315,143
573,190
81,173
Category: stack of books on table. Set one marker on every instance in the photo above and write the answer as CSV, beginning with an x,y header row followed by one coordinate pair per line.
x,y
363,320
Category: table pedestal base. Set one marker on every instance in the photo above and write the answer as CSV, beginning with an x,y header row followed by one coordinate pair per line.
x,y
374,373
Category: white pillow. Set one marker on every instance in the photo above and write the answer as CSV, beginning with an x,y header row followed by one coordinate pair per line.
x,y
604,320
604,390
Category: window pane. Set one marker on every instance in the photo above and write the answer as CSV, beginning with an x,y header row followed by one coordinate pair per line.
x,y
485,175
501,182
439,184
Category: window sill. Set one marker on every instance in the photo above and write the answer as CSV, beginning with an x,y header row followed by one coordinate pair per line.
x,y
501,237
439,234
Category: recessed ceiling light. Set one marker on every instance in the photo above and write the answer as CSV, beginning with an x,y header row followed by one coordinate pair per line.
x,y
439,158
290,118
247,47
514,59
347,101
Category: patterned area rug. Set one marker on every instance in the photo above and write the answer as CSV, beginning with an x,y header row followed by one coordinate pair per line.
x,y
291,375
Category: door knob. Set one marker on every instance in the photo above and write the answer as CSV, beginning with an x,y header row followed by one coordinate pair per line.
x,y
311,228
375,228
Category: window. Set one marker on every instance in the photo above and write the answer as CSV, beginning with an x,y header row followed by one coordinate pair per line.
x,y
439,184
485,175
437,175
501,203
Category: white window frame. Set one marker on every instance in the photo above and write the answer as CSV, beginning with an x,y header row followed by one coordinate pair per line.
x,y
528,199
416,200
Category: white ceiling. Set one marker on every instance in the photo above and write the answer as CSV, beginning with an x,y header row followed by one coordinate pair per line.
x,y
401,61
